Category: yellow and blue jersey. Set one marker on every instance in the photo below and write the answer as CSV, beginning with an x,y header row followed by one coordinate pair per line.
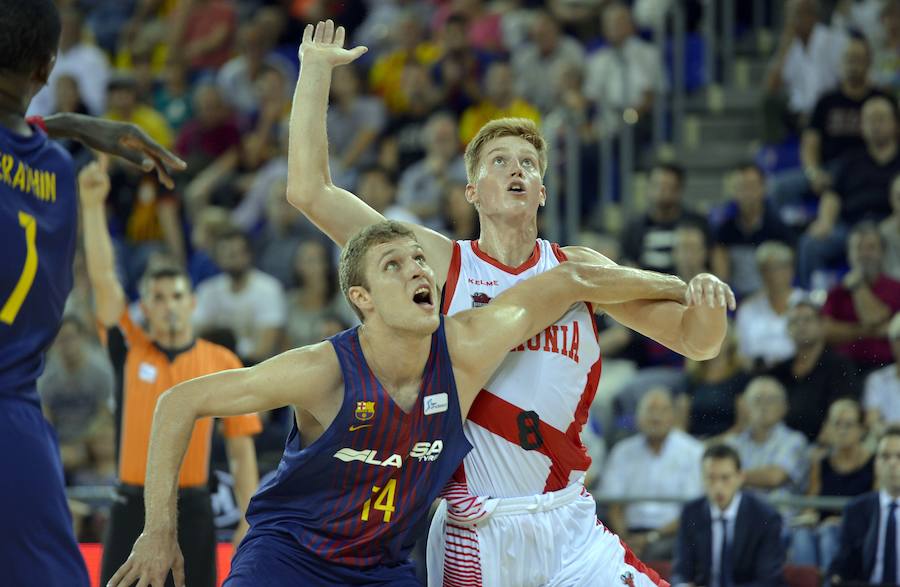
x,y
38,222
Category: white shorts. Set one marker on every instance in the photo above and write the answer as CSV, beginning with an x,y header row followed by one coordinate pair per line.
x,y
549,540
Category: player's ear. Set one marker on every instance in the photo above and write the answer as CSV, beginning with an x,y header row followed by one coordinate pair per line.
x,y
42,74
360,298
543,194
470,193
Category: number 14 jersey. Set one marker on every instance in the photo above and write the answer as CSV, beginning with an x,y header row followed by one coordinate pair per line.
x,y
525,424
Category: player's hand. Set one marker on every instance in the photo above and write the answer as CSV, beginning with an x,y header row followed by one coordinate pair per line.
x,y
325,45
93,182
149,563
707,290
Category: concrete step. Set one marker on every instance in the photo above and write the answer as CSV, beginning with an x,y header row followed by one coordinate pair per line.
x,y
733,100
714,155
702,191
718,127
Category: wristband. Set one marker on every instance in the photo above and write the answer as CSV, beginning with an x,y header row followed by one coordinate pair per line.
x,y
38,121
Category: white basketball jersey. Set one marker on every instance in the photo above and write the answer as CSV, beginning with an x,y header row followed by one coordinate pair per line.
x,y
525,424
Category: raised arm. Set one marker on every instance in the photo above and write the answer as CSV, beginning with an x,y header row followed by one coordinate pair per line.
x,y
693,325
307,378
109,298
337,212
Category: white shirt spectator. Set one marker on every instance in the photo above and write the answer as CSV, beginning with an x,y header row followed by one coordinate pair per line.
x,y
882,393
619,77
261,304
761,333
676,473
538,76
811,70
784,448
88,65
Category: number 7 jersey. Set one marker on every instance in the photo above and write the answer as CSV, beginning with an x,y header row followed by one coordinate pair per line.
x,y
38,221
525,425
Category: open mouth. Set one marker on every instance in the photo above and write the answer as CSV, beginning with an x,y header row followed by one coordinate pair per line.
x,y
422,298
516,187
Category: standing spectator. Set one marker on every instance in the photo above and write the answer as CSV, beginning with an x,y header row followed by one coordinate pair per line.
x,y
728,537
147,364
774,456
882,392
626,74
206,31
500,101
753,223
713,388
815,376
870,531
846,470
860,188
550,52
858,310
649,527
83,61
806,65
890,232
648,239
761,321
354,123
242,298
422,185
76,391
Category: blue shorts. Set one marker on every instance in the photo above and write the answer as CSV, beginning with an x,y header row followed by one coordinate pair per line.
x,y
271,559
37,544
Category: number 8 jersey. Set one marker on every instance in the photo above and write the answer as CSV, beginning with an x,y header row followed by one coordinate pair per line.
x,y
38,221
525,424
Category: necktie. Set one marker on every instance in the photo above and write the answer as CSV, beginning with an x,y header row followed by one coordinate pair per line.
x,y
724,556
890,547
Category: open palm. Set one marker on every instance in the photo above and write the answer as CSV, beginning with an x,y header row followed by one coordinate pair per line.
x,y
325,44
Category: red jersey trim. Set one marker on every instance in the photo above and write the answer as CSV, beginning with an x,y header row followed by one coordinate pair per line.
x,y
560,254
528,264
452,277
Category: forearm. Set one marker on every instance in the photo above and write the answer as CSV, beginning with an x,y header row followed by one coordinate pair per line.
x,y
829,207
809,150
839,332
870,309
242,461
100,260
617,284
170,224
173,423
67,125
721,262
359,145
207,43
308,170
766,477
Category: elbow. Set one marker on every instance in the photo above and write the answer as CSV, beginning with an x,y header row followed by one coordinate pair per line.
x,y
704,352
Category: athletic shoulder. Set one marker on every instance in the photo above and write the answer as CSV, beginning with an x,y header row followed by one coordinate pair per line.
x,y
578,254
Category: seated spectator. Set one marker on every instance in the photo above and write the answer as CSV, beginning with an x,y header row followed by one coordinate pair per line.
x,y
858,310
172,98
815,376
870,531
805,66
242,298
886,68
459,218
890,232
834,128
647,239
626,74
550,52
860,189
209,224
846,470
484,32
79,59
76,391
690,253
208,29
649,527
459,70
276,243
422,184
774,456
761,321
882,392
730,536
500,101
378,190
405,130
123,106
713,388
753,223
315,297
354,123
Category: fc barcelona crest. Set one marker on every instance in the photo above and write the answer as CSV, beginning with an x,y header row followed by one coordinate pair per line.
x,y
365,411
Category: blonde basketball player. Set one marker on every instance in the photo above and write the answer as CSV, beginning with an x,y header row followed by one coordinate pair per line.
x,y
517,513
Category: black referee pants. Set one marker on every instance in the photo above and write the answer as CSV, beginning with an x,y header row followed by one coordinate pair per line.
x,y
196,534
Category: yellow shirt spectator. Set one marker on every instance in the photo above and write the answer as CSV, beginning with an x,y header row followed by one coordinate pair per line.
x,y
386,76
153,123
474,117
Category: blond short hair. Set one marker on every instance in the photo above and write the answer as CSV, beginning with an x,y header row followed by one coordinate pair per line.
x,y
504,127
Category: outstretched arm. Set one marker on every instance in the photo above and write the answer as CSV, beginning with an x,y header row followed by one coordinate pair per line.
x,y
306,378
337,212
693,325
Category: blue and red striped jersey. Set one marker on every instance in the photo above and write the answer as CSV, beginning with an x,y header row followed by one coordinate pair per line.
x,y
354,495
38,220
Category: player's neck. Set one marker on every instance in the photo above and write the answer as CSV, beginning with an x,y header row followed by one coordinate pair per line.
x,y
13,107
172,339
511,245
396,358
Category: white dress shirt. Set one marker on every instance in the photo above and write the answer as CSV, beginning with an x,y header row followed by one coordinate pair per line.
x,y
811,70
882,393
730,515
884,501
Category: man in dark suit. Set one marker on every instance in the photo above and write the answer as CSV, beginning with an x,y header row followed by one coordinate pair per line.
x,y
870,530
728,538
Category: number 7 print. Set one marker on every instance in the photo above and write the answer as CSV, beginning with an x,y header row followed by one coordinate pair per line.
x,y
26,279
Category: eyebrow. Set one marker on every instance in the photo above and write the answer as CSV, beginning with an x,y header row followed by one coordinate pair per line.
x,y
393,250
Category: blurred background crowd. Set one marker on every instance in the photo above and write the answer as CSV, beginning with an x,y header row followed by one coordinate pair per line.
x,y
757,140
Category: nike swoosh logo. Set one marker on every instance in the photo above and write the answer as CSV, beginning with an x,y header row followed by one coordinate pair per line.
x,y
355,428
